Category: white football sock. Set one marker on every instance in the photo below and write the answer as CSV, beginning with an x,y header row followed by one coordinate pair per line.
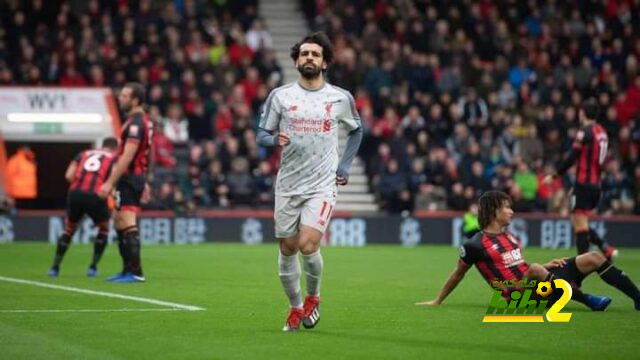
x,y
313,270
289,272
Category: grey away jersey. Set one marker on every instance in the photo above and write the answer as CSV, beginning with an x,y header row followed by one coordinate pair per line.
x,y
310,118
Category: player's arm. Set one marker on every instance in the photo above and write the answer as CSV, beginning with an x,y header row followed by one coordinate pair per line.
x,y
122,163
454,279
570,158
151,161
350,118
270,138
70,174
269,122
469,254
350,151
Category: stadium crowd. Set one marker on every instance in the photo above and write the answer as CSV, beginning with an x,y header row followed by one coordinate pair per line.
x,y
461,97
457,97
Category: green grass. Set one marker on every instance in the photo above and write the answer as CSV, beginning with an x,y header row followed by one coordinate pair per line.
x,y
368,309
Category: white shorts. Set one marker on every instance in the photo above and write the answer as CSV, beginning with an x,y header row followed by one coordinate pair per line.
x,y
292,211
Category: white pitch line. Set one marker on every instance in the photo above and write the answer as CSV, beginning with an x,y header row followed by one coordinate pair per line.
x,y
103,293
84,310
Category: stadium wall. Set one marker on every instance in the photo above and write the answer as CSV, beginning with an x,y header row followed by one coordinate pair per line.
x,y
255,227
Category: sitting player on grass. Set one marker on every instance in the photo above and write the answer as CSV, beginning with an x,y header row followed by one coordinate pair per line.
x,y
497,254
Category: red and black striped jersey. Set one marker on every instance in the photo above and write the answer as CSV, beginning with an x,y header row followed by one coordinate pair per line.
x,y
589,152
591,143
497,256
139,129
93,168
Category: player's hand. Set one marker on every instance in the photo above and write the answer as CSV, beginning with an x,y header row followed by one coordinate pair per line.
x,y
548,179
105,190
556,263
146,194
434,302
340,180
283,139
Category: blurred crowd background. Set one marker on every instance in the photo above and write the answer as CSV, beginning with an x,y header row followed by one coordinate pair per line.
x,y
457,97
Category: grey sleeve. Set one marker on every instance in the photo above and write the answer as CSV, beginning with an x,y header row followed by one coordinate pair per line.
x,y
353,143
264,138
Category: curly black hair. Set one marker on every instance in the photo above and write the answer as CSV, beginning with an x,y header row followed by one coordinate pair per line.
x,y
316,38
489,204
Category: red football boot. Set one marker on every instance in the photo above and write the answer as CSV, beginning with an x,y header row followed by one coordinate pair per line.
x,y
293,320
311,311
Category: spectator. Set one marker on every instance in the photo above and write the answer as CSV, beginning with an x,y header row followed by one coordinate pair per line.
x,y
162,147
530,148
392,182
474,110
22,182
430,197
176,128
526,181
217,185
456,200
258,38
241,184
264,184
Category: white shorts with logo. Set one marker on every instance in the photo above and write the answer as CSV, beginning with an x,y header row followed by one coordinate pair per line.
x,y
292,211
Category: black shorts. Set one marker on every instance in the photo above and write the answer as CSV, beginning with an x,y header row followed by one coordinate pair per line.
x,y
585,198
569,272
129,192
80,203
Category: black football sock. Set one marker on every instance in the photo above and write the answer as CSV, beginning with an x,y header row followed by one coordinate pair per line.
x,y
63,244
133,245
582,241
123,250
617,278
98,247
597,240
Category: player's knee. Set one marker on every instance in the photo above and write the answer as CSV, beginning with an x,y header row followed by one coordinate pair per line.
x,y
309,244
309,249
103,228
70,228
595,259
580,222
288,246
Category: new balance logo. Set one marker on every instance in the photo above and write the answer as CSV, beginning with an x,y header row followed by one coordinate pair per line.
x,y
292,108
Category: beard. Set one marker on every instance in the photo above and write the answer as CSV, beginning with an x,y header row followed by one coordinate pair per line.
x,y
126,107
309,71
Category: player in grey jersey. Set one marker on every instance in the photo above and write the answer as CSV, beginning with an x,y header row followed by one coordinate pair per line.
x,y
303,118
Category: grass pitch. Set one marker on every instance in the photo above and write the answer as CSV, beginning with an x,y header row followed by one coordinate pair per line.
x,y
368,310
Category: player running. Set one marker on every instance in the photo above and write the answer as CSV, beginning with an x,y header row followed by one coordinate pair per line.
x,y
129,176
590,151
86,173
303,118
497,253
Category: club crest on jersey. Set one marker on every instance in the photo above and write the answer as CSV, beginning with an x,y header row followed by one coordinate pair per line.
x,y
327,109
